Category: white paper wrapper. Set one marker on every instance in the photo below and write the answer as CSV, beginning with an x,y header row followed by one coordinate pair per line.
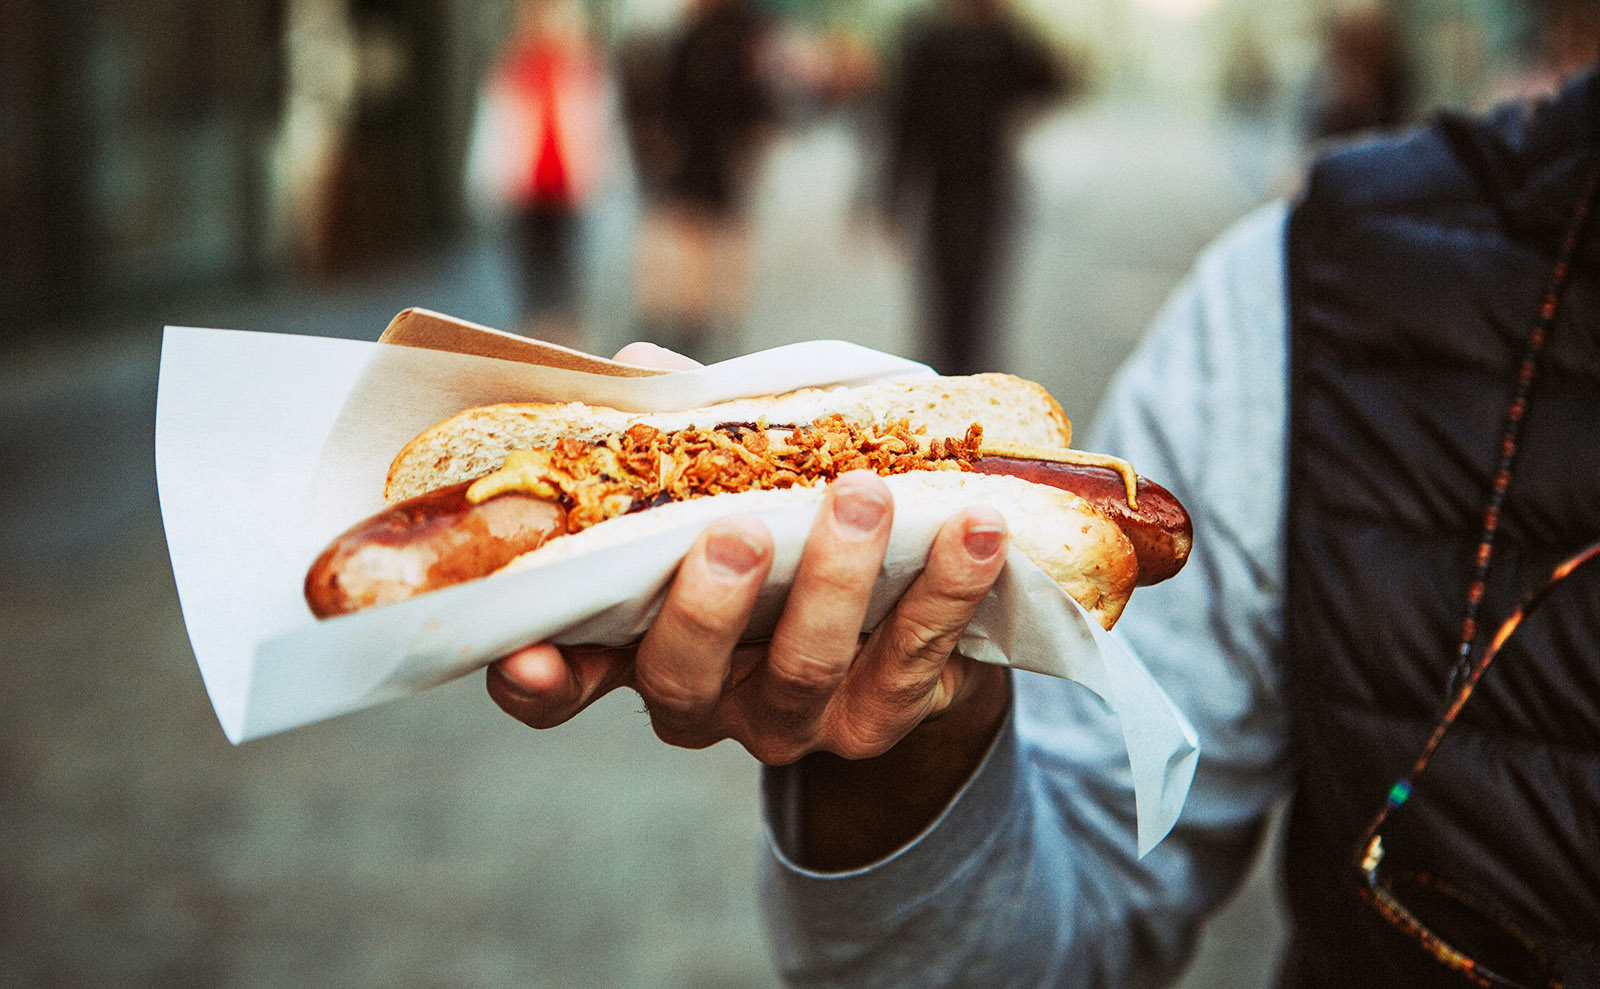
x,y
269,445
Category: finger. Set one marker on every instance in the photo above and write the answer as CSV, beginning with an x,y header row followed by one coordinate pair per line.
x,y
646,354
542,686
682,664
819,631
904,665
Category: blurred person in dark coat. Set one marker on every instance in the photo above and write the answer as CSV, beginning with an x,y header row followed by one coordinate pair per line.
x,y
965,75
715,104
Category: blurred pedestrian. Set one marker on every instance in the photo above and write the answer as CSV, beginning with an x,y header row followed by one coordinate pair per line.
x,y
1366,82
641,62
715,106
965,75
538,153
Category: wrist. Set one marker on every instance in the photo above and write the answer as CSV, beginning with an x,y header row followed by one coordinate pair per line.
x,y
856,812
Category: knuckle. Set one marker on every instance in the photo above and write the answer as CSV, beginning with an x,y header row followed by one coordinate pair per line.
x,y
874,725
707,620
958,588
866,738
793,704
844,579
915,634
677,698
775,750
906,697
856,749
804,677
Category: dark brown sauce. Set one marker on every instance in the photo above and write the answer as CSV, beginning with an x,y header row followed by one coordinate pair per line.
x,y
1159,528
1089,481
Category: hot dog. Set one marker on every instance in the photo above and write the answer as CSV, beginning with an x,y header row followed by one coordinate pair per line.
x,y
503,484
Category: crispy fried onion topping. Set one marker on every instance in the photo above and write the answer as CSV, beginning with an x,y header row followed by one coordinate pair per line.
x,y
645,466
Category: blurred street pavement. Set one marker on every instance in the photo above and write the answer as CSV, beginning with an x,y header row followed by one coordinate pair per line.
x,y
435,842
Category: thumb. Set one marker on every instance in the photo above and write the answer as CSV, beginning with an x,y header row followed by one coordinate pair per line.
x,y
543,686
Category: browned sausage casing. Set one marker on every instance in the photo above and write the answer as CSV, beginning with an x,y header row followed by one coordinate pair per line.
x,y
431,541
1160,528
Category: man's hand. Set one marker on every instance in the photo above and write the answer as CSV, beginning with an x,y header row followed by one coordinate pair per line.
x,y
818,685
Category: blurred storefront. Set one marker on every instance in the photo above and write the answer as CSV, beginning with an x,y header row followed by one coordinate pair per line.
x,y
147,146
133,136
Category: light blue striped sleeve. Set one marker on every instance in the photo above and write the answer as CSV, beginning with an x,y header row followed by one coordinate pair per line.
x,y
1030,876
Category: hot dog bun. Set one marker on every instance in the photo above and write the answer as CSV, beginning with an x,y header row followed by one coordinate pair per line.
x,y
1013,411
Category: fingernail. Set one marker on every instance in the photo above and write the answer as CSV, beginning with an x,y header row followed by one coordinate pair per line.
x,y
983,542
859,511
731,554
